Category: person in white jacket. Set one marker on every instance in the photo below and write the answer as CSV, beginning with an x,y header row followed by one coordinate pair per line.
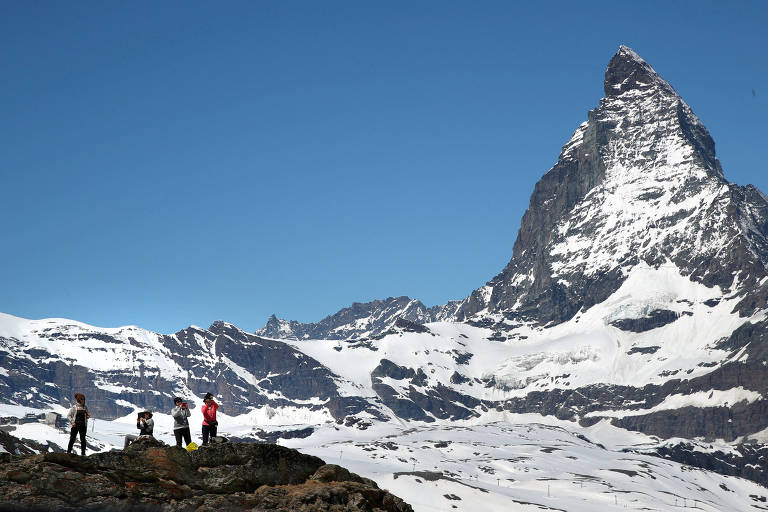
x,y
78,419
180,414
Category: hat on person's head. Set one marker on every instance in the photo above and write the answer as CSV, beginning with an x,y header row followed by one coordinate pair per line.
x,y
207,396
149,413
177,399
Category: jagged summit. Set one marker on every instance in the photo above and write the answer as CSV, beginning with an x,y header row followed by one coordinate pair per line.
x,y
638,183
627,71
361,319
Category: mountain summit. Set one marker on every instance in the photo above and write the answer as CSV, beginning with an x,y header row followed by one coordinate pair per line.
x,y
638,182
627,70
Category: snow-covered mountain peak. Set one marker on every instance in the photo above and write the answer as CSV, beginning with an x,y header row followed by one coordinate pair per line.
x,y
659,189
638,182
627,71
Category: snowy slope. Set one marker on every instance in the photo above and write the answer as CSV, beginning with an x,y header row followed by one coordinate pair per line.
x,y
526,466
589,348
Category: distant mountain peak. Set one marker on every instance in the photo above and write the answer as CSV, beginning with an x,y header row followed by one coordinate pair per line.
x,y
627,71
359,320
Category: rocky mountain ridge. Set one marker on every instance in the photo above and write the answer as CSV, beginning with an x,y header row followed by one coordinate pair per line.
x,y
360,320
120,369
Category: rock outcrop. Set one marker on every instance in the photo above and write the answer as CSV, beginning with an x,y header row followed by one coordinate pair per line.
x,y
743,460
150,476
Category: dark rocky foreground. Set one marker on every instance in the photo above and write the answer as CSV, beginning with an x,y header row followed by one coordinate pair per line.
x,y
151,476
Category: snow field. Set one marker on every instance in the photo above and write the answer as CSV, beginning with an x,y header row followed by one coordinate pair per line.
x,y
501,466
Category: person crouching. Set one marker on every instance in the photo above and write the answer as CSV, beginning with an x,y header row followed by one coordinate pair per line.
x,y
146,426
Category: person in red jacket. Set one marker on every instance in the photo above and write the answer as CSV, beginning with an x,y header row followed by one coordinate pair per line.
x,y
209,417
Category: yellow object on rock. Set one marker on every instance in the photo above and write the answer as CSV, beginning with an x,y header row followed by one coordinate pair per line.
x,y
192,446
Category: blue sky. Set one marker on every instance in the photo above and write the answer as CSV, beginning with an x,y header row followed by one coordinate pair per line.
x,y
174,163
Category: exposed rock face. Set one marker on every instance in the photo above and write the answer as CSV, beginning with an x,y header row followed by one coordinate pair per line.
x,y
150,476
654,319
416,397
746,460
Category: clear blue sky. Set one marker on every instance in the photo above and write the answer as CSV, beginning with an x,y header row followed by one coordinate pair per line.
x,y
173,163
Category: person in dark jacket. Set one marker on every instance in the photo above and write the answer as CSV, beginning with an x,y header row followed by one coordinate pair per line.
x,y
209,417
78,419
180,414
146,426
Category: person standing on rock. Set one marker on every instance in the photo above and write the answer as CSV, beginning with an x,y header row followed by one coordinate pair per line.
x,y
78,419
209,417
180,414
